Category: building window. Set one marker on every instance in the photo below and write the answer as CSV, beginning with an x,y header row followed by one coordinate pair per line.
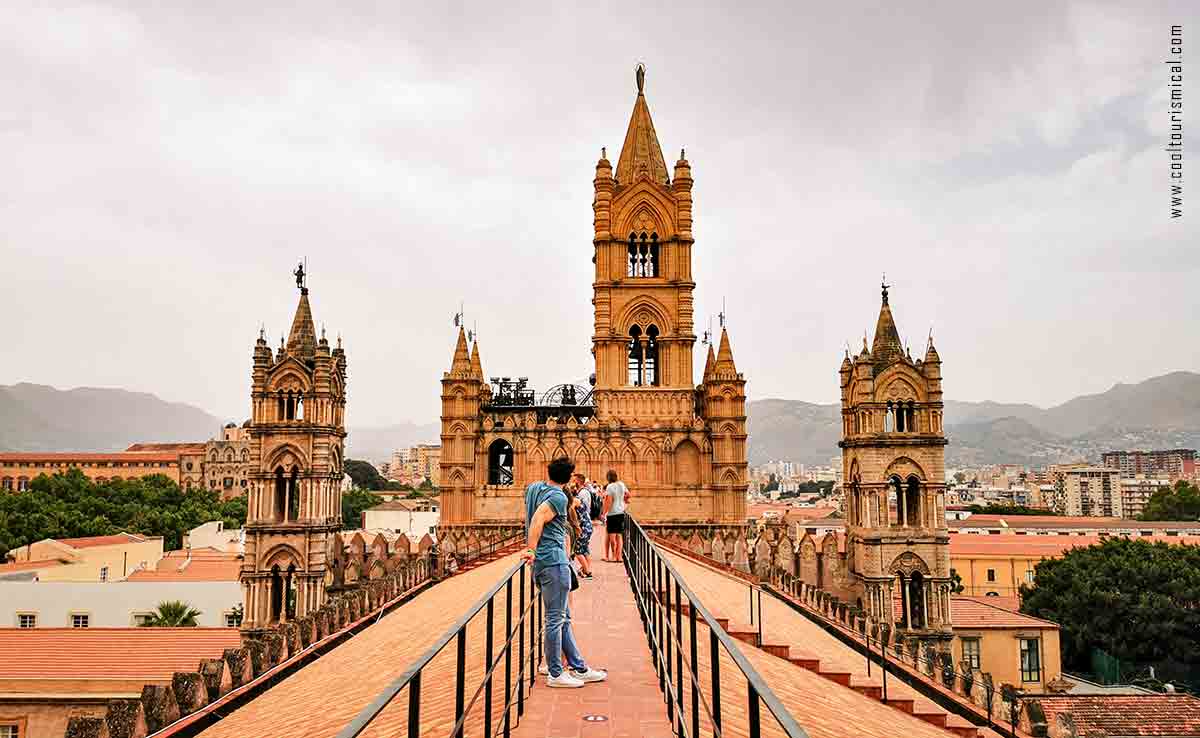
x,y
991,575
643,256
1029,576
80,620
104,573
26,620
9,730
1031,660
142,619
643,357
970,652
6,484
232,620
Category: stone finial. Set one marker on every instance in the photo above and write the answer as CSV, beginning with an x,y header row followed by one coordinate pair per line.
x,y
84,727
161,709
126,719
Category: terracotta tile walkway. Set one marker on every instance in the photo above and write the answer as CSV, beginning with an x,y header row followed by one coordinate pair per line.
x,y
610,635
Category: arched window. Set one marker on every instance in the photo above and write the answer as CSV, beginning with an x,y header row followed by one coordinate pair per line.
x,y
643,256
916,600
300,406
281,413
280,494
290,592
500,463
294,496
912,501
650,373
245,455
6,484
888,424
635,356
276,594
896,493
910,420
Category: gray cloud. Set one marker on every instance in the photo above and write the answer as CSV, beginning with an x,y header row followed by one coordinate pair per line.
x,y
1003,164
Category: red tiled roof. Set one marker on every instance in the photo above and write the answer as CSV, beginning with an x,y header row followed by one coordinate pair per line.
x,y
977,612
28,565
175,447
152,654
1127,714
1043,546
988,520
69,458
203,565
94,541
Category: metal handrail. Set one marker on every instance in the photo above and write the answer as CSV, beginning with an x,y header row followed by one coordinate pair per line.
x,y
647,566
411,677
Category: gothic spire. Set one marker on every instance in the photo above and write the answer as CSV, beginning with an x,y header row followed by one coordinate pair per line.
x,y
461,365
886,347
476,365
709,363
725,365
302,340
641,149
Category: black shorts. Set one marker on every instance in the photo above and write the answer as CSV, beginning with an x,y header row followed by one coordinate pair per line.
x,y
614,523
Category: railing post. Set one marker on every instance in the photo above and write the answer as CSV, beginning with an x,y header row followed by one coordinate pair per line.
x,y
665,644
460,679
755,727
535,631
414,706
696,670
507,657
714,646
489,661
679,653
521,646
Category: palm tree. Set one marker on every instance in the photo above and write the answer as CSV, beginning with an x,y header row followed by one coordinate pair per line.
x,y
173,614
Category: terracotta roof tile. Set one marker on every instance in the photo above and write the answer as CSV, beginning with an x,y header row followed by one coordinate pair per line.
x,y
1042,546
202,565
977,612
95,541
1127,715
16,566
182,448
151,654
68,458
985,520
323,696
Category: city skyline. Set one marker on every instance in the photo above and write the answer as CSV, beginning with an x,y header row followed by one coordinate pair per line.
x,y
173,169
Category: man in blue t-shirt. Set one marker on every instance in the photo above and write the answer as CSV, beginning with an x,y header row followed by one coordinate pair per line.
x,y
546,524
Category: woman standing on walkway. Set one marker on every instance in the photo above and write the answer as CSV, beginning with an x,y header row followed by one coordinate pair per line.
x,y
583,542
616,498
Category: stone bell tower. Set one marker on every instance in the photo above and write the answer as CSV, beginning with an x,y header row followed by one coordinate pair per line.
x,y
893,464
294,505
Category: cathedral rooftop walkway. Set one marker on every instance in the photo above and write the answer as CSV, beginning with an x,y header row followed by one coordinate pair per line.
x,y
823,682
322,698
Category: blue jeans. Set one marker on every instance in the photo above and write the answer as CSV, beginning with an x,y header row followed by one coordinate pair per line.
x,y
555,583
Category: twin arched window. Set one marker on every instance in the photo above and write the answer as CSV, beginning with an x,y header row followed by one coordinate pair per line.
x,y
291,405
901,416
643,256
643,357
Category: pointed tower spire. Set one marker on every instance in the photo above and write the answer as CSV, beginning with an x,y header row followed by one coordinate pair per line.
x,y
476,365
302,339
886,347
710,363
462,358
725,365
641,149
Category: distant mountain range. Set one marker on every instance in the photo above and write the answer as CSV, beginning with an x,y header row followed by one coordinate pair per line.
x,y
34,417
1163,412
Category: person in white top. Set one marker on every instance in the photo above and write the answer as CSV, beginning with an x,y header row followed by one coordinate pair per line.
x,y
616,501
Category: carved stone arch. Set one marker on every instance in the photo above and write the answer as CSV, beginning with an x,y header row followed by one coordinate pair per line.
x,y
644,311
729,477
728,429
643,201
457,478
281,555
829,543
907,563
650,461
289,377
288,456
900,382
902,468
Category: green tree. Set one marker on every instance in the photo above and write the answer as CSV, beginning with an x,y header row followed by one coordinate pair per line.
x,y
364,475
956,585
772,483
353,504
960,478
1181,502
69,505
173,614
1137,600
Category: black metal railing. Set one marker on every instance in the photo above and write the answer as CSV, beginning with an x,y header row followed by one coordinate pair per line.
x,y
662,596
525,621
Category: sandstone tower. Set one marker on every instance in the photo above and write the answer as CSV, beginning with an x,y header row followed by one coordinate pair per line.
x,y
294,505
681,447
898,546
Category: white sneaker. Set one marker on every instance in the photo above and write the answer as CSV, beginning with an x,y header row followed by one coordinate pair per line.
x,y
591,675
564,680
544,670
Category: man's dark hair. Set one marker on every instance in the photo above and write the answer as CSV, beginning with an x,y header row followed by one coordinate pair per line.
x,y
560,470
612,475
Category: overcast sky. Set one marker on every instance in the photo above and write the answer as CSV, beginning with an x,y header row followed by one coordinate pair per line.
x,y
164,168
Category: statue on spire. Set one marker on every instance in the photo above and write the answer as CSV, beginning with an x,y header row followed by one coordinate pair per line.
x,y
641,77
885,286
299,275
